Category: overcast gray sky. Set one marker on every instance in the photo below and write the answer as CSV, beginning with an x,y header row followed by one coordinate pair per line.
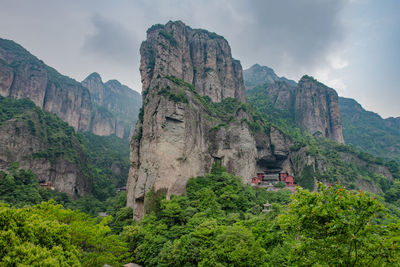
x,y
350,45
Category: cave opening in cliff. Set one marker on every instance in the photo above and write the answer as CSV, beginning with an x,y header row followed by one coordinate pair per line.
x,y
268,164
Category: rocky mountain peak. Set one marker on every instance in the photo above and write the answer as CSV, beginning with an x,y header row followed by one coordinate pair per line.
x,y
193,116
22,75
114,83
312,105
259,75
116,106
317,109
94,77
196,56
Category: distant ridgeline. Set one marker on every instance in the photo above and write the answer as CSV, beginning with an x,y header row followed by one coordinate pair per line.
x,y
367,131
103,109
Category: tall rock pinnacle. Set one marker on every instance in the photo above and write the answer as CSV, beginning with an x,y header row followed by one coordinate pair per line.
x,y
193,116
196,56
317,109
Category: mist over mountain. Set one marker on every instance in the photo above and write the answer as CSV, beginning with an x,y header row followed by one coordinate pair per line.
x,y
210,166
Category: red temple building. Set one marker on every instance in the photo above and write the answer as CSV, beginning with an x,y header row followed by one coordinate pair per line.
x,y
270,178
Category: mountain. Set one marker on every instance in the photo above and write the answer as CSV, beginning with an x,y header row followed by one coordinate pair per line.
x,y
369,132
316,109
45,144
116,106
22,75
393,122
195,116
78,164
312,105
259,75
108,109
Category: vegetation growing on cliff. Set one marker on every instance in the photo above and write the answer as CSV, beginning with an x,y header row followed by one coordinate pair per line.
x,y
103,159
342,162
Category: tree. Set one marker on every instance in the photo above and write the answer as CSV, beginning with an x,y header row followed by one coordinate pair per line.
x,y
335,226
49,235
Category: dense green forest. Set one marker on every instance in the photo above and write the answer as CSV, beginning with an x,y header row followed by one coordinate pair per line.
x,y
361,126
219,222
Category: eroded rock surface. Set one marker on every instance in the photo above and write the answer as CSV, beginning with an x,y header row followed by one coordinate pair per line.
x,y
116,106
313,106
180,133
24,76
316,109
18,144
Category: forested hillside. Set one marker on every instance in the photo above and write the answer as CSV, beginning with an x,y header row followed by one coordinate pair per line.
x,y
369,132
37,140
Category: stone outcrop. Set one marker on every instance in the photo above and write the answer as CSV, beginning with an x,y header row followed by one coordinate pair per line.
x,y
198,57
183,128
312,105
316,109
116,106
19,144
188,75
24,76
259,75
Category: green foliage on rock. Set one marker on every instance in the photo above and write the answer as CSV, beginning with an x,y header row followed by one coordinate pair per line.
x,y
340,162
20,188
110,154
60,138
169,36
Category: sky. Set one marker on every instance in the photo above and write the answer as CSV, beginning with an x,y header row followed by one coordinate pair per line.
x,y
352,46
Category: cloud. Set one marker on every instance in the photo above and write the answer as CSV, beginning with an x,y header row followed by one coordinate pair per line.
x,y
292,36
111,41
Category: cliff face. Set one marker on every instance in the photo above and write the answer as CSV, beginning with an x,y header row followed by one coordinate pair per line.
x,y
24,76
44,144
316,109
102,108
198,57
116,106
193,115
313,106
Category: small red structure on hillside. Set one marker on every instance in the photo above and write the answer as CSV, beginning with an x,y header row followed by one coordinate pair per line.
x,y
286,178
270,178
